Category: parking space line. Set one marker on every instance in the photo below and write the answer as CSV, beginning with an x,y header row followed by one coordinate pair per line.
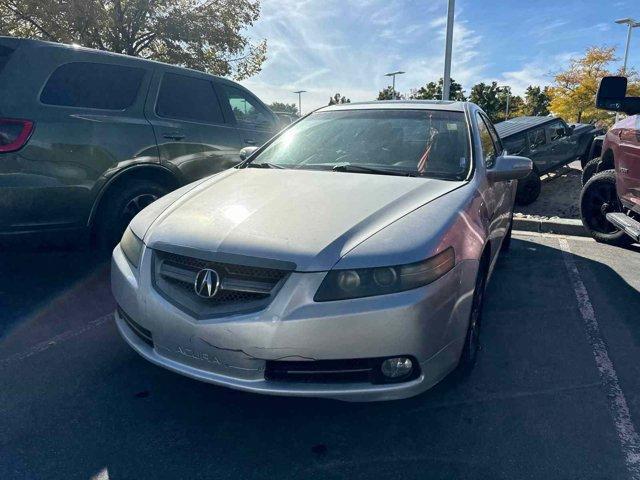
x,y
46,344
625,428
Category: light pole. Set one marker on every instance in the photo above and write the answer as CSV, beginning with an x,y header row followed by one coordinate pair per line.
x,y
446,79
508,92
393,75
631,24
300,92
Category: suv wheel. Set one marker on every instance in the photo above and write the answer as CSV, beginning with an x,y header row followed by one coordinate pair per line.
x,y
599,197
529,188
118,207
590,169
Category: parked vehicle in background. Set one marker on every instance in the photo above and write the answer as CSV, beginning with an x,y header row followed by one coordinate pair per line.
x,y
347,258
286,118
549,142
595,163
89,138
610,200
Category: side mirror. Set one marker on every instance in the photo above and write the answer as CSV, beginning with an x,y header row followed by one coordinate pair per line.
x,y
612,96
246,152
509,167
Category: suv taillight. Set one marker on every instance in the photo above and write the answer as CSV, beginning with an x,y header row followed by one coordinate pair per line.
x,y
14,134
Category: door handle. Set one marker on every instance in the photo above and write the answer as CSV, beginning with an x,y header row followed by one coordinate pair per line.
x,y
174,136
249,141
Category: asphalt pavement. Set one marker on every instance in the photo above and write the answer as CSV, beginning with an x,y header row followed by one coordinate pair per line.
x,y
555,393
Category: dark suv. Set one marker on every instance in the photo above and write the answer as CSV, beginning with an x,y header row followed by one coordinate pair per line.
x,y
89,138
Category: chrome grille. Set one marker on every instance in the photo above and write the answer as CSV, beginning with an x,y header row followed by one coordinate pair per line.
x,y
243,288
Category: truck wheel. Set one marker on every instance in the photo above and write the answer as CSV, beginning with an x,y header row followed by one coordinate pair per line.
x,y
590,169
118,207
599,197
529,188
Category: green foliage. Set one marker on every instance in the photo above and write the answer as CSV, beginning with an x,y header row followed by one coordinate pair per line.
x,y
387,93
337,99
536,102
284,107
433,91
202,34
493,100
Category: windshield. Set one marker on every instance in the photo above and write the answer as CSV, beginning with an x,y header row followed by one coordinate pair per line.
x,y
404,142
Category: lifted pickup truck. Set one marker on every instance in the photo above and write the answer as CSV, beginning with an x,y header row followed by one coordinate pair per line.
x,y
550,142
610,200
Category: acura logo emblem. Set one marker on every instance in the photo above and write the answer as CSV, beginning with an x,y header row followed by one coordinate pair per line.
x,y
207,283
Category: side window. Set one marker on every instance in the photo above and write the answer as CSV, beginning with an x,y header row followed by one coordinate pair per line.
x,y
494,135
188,98
515,145
537,138
246,109
93,85
489,151
556,130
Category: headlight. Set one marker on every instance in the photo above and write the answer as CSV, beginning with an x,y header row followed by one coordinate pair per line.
x,y
366,282
131,247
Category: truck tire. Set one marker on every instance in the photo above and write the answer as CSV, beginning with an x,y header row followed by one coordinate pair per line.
x,y
529,188
118,207
590,169
599,197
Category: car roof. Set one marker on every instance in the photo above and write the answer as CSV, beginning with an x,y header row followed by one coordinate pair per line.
x,y
520,124
16,41
399,104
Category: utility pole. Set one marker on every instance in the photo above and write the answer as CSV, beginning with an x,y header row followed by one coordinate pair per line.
x,y
446,83
631,24
393,75
300,92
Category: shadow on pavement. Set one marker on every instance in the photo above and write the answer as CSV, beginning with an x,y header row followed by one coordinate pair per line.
x,y
532,407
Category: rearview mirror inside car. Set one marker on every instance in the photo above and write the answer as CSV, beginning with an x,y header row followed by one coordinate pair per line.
x,y
612,96
509,167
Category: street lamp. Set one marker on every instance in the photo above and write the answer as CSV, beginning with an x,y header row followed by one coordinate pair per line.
x,y
446,79
300,92
631,24
393,75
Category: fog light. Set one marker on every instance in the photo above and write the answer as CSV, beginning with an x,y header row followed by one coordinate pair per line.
x,y
396,367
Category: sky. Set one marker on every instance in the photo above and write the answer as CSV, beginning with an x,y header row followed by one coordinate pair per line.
x,y
346,46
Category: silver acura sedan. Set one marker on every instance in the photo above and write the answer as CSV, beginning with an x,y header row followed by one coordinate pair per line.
x,y
346,258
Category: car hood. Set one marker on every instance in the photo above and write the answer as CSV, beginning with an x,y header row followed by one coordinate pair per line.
x,y
310,218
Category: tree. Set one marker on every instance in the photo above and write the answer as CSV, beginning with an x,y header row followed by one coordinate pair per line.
x,y
202,34
387,93
433,91
574,91
338,99
284,107
536,102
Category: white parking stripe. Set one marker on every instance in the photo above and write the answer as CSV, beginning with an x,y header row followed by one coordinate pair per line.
x,y
625,428
45,345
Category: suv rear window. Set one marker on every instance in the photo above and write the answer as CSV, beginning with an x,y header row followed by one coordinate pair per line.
x,y
188,98
5,55
93,85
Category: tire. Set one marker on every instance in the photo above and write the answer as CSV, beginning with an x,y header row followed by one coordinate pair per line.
x,y
506,242
469,356
590,169
599,197
118,207
529,188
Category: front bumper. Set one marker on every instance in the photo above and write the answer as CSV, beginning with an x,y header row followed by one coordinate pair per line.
x,y
428,324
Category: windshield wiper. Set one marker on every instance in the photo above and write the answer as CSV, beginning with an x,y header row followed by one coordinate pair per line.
x,y
264,165
347,167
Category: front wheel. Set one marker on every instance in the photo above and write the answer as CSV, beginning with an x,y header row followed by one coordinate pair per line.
x,y
590,169
471,347
599,197
529,188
